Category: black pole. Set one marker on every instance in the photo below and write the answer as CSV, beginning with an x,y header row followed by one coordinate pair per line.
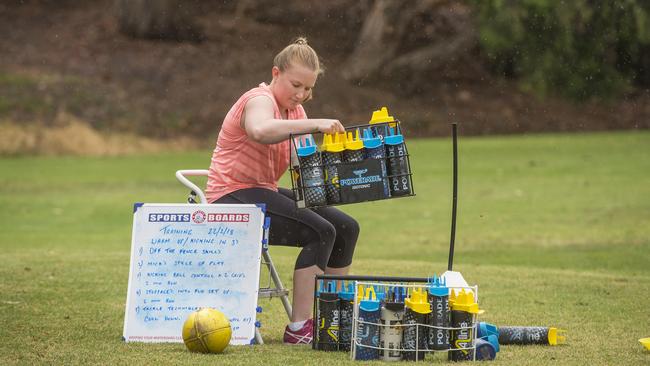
x,y
454,135
315,340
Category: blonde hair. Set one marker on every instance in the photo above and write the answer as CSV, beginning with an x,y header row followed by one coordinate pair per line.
x,y
301,52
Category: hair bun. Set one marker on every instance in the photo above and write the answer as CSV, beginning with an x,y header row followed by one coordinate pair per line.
x,y
301,41
298,51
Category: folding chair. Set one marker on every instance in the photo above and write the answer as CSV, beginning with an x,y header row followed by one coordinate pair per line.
x,y
265,292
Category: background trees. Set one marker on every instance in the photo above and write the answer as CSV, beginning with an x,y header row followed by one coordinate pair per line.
x,y
164,68
578,49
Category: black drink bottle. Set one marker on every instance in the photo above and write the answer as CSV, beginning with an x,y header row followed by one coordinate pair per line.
x,y
439,318
346,313
375,149
531,335
332,155
463,313
352,159
311,172
354,151
328,319
398,168
415,334
368,328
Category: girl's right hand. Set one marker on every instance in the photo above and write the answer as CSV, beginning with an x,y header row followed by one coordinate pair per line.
x,y
330,126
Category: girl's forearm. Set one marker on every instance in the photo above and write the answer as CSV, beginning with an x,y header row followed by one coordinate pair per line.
x,y
272,131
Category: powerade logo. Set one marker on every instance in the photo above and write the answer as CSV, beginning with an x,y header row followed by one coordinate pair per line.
x,y
169,217
360,179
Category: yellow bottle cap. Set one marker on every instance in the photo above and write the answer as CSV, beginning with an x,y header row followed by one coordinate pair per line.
x,y
556,336
452,298
333,142
366,293
370,294
353,143
464,301
359,293
418,302
381,116
645,342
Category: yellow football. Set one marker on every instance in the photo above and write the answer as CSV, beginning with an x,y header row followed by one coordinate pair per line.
x,y
207,331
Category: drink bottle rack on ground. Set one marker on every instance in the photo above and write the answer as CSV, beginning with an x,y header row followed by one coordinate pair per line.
x,y
395,318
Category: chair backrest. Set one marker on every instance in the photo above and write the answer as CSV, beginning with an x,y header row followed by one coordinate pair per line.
x,y
182,175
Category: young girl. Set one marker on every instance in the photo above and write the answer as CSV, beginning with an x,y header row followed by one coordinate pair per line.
x,y
251,155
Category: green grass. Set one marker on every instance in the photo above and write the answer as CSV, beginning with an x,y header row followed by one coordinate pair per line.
x,y
553,229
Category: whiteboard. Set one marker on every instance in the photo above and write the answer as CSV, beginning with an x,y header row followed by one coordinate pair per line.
x,y
184,257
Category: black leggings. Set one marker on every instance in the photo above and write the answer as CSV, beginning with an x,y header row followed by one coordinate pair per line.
x,y
327,235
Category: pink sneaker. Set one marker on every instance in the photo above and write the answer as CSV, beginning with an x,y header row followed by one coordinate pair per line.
x,y
303,335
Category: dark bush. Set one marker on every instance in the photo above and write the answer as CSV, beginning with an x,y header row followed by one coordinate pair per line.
x,y
578,49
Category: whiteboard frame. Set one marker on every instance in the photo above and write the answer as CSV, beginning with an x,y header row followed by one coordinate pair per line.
x,y
208,208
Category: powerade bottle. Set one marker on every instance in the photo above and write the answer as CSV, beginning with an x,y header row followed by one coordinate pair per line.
x,y
374,147
415,335
381,116
439,318
346,313
463,312
368,327
311,171
390,334
353,148
531,335
332,155
398,168
328,318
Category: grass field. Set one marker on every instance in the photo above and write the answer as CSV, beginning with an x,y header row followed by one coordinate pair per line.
x,y
554,229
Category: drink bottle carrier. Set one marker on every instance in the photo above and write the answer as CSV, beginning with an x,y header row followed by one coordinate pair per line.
x,y
317,181
361,345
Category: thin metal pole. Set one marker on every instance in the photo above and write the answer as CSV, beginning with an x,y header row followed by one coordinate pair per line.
x,y
454,135
314,338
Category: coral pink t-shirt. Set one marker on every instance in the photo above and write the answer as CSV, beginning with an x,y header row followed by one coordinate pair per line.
x,y
238,162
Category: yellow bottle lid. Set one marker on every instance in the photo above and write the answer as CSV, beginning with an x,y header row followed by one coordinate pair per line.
x,y
556,336
464,301
361,293
353,143
418,301
333,142
381,116
452,298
